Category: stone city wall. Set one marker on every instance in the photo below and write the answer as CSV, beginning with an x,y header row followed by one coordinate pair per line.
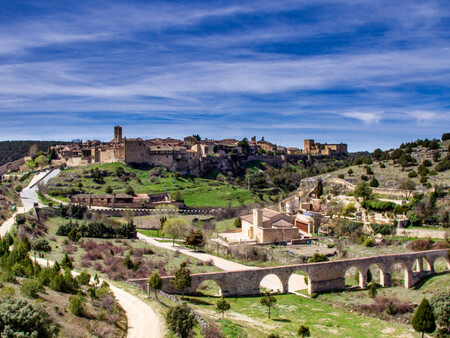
x,y
11,166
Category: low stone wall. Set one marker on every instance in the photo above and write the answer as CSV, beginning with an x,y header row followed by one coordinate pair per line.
x,y
422,233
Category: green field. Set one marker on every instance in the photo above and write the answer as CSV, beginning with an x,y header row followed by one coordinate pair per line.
x,y
195,191
247,317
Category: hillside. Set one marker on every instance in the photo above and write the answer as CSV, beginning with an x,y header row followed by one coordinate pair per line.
x,y
389,172
14,150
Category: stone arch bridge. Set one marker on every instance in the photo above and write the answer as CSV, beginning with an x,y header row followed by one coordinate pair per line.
x,y
323,276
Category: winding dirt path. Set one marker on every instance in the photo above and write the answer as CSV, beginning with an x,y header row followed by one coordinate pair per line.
x,y
143,322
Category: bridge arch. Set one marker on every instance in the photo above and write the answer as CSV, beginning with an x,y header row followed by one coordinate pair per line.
x,y
376,273
209,287
441,264
298,280
273,283
400,271
354,275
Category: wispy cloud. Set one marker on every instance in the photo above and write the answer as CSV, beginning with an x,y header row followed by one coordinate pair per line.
x,y
288,69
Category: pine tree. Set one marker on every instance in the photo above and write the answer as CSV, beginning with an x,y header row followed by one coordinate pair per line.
x,y
268,300
372,290
155,282
303,331
423,319
222,306
182,279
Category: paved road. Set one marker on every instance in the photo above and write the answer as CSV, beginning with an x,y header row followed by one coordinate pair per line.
x,y
28,194
142,319
271,282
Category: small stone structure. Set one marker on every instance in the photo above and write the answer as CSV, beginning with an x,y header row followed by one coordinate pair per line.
x,y
323,276
268,226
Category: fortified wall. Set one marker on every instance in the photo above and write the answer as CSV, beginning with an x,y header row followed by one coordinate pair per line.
x,y
11,166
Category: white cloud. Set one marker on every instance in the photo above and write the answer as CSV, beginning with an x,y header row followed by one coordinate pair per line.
x,y
368,118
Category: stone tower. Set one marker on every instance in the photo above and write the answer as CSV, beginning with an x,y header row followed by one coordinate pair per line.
x,y
309,145
118,134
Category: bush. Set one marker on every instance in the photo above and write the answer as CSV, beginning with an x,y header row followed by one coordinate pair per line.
x,y
384,229
21,319
421,245
369,242
41,245
129,190
100,229
374,182
341,176
19,188
76,306
316,257
303,331
372,290
31,287
440,304
181,320
412,174
445,137
83,278
382,165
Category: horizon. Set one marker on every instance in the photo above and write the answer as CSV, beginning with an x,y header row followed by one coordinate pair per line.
x,y
369,74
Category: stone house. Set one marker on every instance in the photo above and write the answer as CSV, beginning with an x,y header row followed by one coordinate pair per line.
x,y
267,226
305,223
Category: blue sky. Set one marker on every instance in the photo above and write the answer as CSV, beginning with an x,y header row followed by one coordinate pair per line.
x,y
367,73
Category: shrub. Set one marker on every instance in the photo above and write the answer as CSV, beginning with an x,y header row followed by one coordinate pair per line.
x,y
21,319
440,304
76,306
369,242
316,257
18,188
372,290
420,245
382,165
374,182
41,245
31,287
384,229
238,222
109,190
180,320
83,278
341,176
303,331
412,174
129,190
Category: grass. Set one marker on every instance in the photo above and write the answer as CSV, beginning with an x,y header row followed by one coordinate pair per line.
x,y
151,233
225,225
427,289
196,192
324,320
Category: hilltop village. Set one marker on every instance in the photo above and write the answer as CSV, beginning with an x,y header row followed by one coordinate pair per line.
x,y
307,233
189,156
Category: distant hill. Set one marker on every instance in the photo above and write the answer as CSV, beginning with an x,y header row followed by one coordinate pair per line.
x,y
14,150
